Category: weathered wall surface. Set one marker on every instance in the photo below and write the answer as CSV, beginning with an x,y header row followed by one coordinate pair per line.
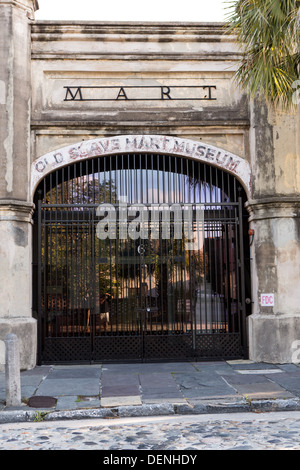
x,y
274,214
67,83
15,101
174,55
15,156
135,55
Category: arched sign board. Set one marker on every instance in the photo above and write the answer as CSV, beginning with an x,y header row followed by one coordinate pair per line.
x,y
158,144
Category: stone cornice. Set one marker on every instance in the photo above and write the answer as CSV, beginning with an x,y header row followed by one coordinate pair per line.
x,y
28,5
172,41
274,201
110,126
134,41
220,57
132,31
273,207
179,29
17,211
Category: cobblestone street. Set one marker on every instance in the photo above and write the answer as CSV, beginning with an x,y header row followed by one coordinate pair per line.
x,y
251,431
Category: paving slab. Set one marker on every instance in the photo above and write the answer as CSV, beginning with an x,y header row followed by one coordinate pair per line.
x,y
259,371
263,390
67,403
290,368
115,384
203,385
238,379
119,390
27,391
37,370
31,380
75,403
111,379
162,395
208,393
74,373
213,367
157,381
108,402
290,382
252,365
163,399
198,380
56,387
239,361
168,367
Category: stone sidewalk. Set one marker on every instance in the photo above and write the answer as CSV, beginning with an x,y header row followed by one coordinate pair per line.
x,y
123,390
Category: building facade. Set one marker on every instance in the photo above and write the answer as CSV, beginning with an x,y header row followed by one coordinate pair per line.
x,y
148,209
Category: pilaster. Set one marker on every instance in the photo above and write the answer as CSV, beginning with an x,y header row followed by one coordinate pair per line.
x,y
274,330
15,97
16,279
15,210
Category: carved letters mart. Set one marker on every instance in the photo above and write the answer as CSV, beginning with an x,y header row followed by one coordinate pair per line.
x,y
140,93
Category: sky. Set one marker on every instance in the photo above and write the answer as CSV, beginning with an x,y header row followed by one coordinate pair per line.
x,y
132,10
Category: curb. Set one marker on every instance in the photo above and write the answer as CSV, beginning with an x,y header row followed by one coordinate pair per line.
x,y
164,409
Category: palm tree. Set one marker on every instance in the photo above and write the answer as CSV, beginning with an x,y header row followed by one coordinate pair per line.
x,y
268,32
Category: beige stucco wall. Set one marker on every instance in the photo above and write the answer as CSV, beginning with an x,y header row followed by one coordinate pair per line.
x,y
15,156
175,54
135,55
274,215
41,58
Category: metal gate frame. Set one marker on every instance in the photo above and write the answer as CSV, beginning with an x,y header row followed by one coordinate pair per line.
x,y
63,343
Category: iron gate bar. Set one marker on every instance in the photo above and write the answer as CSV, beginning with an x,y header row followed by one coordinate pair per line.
x,y
242,279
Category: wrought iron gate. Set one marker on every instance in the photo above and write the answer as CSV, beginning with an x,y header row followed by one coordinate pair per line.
x,y
119,274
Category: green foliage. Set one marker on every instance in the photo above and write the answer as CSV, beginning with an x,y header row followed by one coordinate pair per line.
x,y
39,416
268,32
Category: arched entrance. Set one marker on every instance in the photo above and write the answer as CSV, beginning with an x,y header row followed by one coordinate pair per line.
x,y
140,256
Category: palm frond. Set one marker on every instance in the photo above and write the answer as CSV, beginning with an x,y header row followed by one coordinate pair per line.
x,y
269,33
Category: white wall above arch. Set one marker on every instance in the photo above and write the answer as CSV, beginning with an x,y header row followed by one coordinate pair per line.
x,y
158,144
